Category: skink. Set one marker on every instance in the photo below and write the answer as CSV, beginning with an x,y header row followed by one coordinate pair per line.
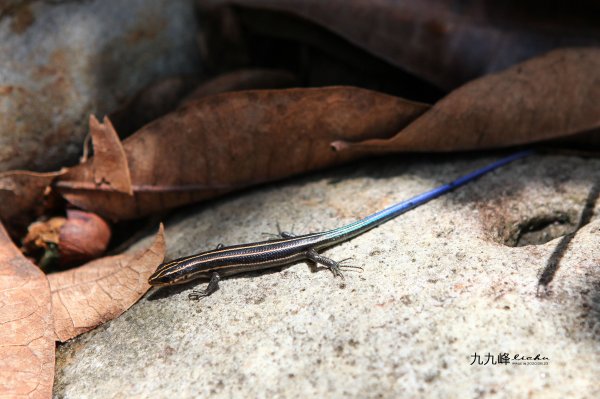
x,y
225,261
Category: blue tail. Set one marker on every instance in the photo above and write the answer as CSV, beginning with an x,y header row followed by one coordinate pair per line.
x,y
383,216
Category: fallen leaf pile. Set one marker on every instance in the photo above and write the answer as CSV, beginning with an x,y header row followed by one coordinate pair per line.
x,y
27,330
225,142
38,310
102,289
183,140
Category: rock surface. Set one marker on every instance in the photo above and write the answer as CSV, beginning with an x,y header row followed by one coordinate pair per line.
x,y
439,285
62,61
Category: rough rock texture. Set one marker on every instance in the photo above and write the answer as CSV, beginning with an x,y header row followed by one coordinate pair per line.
x,y
439,286
62,61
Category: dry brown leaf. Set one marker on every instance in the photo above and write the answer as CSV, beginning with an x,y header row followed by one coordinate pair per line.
x,y
26,327
225,142
445,42
164,96
21,196
101,290
551,96
108,169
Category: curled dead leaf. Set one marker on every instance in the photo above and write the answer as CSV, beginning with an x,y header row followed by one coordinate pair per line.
x,y
165,95
109,167
101,290
551,96
26,328
229,141
21,195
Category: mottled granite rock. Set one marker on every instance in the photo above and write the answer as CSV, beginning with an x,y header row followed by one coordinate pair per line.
x,y
63,60
438,286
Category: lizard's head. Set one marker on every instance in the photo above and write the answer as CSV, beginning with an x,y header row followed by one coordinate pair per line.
x,y
177,271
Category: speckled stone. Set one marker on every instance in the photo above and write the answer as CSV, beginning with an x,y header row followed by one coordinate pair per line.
x,y
64,60
439,285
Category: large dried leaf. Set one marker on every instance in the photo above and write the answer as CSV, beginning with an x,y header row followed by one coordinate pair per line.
x,y
447,43
101,290
109,165
164,96
21,195
224,142
551,96
26,327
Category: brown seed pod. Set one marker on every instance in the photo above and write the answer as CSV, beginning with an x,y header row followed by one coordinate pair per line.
x,y
79,237
84,236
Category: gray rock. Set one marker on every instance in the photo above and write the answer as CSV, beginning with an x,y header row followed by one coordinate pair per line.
x,y
62,61
439,285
